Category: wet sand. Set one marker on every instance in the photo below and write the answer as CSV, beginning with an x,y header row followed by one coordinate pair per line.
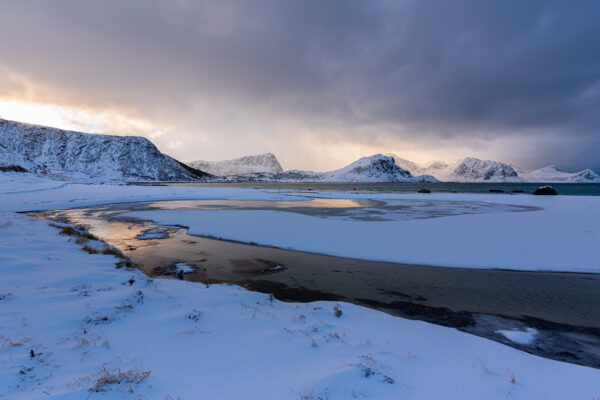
x,y
564,307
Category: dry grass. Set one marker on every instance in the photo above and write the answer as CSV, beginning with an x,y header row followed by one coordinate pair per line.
x,y
337,311
481,365
120,378
82,236
127,264
79,231
511,376
8,343
115,252
90,250
308,396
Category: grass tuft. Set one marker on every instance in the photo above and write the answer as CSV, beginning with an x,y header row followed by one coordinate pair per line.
x,y
117,377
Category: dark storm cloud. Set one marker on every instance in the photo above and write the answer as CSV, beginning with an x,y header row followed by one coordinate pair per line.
x,y
451,70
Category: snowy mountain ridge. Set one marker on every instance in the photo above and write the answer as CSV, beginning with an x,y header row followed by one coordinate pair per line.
x,y
106,158
255,164
553,174
87,157
471,169
375,168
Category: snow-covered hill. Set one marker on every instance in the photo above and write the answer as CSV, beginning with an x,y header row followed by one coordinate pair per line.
x,y
375,168
256,164
87,157
472,169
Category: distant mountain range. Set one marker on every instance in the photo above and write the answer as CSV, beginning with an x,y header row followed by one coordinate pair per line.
x,y
87,157
471,169
105,158
376,168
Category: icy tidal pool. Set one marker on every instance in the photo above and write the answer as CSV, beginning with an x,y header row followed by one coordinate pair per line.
x,y
562,307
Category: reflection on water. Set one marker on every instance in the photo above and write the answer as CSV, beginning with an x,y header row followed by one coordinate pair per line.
x,y
260,204
353,209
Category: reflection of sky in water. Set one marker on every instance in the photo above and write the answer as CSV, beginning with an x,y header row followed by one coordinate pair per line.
x,y
349,209
314,203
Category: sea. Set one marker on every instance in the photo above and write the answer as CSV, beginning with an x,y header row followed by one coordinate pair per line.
x,y
569,189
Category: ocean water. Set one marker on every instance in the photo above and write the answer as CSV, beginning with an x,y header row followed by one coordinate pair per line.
x,y
571,189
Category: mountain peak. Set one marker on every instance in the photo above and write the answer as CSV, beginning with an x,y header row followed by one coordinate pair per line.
x,y
375,168
253,164
86,156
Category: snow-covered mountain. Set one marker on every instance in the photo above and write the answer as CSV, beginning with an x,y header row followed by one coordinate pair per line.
x,y
468,169
552,174
376,168
257,164
88,157
472,169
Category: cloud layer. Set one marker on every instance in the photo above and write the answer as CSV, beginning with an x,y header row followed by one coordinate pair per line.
x,y
512,80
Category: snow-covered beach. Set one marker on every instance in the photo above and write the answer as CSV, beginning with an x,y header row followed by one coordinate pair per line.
x,y
104,332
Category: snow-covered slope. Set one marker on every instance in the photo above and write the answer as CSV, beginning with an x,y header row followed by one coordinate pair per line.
x,y
84,156
256,164
552,174
407,165
375,168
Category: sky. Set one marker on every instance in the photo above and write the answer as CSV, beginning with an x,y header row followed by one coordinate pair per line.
x,y
318,83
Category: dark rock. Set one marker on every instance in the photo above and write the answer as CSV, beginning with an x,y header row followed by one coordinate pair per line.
x,y
518,191
496,191
545,190
423,191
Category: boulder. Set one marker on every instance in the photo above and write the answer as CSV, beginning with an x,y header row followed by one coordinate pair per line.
x,y
545,190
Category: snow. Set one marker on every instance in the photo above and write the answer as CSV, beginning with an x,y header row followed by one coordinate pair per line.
x,y
153,234
561,235
37,193
526,337
84,319
184,268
